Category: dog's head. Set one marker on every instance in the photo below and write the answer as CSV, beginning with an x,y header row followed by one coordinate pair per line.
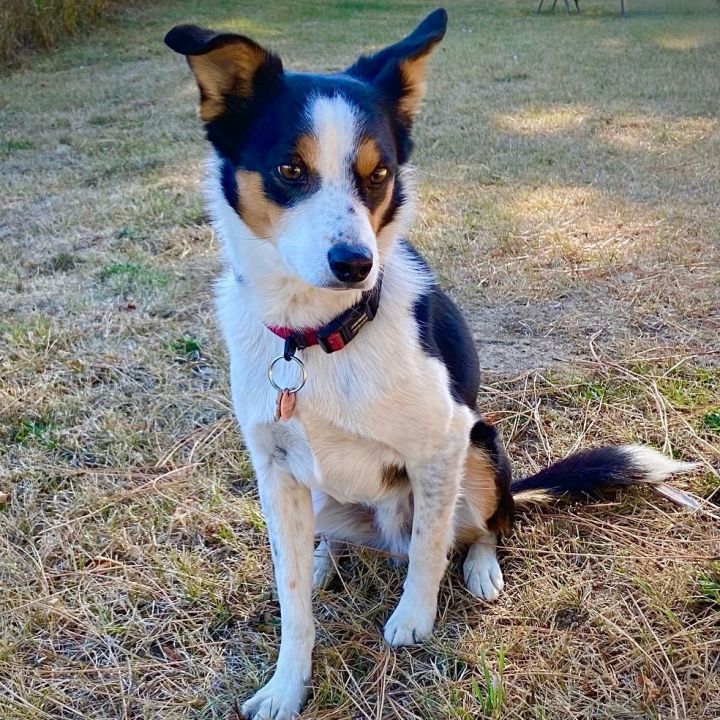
x,y
312,163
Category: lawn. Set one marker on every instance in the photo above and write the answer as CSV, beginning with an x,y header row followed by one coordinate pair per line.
x,y
569,182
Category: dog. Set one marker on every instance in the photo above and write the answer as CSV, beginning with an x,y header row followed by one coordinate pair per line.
x,y
354,376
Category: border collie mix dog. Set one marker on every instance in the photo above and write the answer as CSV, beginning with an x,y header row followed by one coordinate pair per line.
x,y
311,193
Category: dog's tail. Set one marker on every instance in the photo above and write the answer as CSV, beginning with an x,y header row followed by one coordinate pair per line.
x,y
587,471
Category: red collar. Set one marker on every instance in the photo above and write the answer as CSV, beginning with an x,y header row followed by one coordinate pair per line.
x,y
338,332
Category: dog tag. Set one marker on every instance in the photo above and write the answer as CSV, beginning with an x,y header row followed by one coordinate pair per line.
x,y
284,404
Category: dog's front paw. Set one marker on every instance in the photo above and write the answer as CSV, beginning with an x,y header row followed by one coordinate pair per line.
x,y
411,623
278,700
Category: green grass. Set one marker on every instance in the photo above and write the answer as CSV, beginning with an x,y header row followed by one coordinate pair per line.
x,y
31,430
14,144
569,197
709,584
490,695
711,421
185,346
129,278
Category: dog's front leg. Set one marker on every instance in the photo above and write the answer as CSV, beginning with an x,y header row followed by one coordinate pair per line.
x,y
288,512
435,485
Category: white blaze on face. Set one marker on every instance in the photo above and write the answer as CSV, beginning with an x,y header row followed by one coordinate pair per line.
x,y
335,125
333,214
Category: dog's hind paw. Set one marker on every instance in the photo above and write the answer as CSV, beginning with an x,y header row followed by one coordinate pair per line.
x,y
323,572
323,565
275,701
482,573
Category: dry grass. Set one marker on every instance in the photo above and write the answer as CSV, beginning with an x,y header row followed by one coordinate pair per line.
x,y
43,23
570,186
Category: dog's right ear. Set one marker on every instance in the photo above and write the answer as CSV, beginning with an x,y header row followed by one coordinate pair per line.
x,y
225,66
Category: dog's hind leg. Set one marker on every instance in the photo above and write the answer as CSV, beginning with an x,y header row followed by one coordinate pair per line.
x,y
336,522
485,509
351,522
393,518
481,569
324,562
325,554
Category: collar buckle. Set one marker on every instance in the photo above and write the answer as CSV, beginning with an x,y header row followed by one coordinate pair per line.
x,y
333,341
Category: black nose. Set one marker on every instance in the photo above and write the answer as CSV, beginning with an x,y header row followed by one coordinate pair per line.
x,y
350,263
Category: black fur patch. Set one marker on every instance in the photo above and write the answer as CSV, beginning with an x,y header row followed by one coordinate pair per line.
x,y
584,472
444,334
228,181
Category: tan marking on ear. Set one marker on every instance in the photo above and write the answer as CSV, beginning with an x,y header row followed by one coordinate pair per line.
x,y
378,214
478,485
367,157
309,151
413,74
229,70
256,210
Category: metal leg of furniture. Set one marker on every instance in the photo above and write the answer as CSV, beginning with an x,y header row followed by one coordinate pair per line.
x,y
577,6
622,7
552,9
540,6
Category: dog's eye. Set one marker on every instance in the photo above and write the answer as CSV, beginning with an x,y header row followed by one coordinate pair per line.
x,y
379,175
291,173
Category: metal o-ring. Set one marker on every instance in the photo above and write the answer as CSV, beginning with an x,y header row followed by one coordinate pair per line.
x,y
303,373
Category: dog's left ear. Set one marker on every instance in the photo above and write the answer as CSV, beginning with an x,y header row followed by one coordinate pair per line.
x,y
399,70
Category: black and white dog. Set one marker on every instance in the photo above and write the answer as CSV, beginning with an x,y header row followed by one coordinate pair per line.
x,y
311,193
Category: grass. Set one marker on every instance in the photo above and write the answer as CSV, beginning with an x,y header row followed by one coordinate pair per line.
x,y
44,23
709,584
712,420
569,182
130,278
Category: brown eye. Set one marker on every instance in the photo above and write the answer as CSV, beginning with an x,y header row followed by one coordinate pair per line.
x,y
379,175
291,173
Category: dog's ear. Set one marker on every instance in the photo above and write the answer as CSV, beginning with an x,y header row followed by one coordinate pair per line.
x,y
225,65
399,70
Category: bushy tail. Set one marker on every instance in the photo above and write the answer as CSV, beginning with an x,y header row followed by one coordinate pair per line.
x,y
590,470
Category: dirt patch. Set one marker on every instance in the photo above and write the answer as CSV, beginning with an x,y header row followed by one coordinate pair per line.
x,y
516,338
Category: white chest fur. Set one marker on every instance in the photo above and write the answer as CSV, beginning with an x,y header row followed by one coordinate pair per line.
x,y
376,403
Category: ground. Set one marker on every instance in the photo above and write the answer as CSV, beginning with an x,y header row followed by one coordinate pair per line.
x,y
569,183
